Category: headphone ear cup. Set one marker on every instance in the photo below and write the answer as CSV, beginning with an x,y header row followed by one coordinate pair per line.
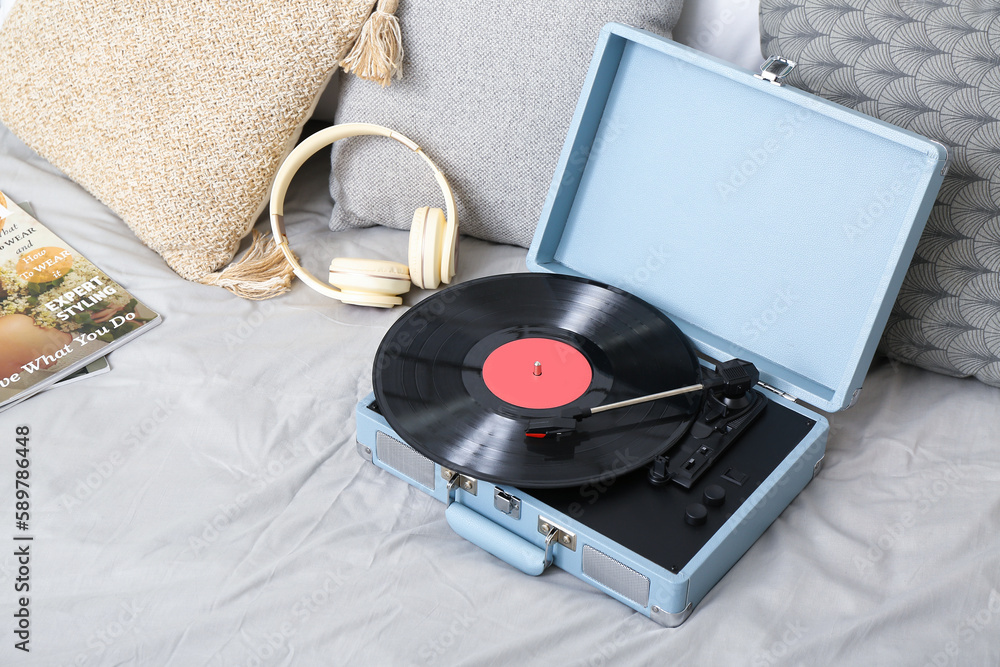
x,y
369,282
426,239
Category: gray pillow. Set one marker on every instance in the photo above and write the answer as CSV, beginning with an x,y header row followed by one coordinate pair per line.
x,y
488,90
933,68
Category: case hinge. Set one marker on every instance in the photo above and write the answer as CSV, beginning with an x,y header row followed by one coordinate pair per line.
x,y
947,158
775,69
784,394
854,398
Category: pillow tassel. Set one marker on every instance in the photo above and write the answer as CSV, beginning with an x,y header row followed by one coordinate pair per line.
x,y
262,273
377,54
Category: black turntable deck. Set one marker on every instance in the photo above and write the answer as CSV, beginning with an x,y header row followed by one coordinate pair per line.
x,y
529,400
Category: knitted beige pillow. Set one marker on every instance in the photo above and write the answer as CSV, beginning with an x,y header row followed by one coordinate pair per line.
x,y
176,115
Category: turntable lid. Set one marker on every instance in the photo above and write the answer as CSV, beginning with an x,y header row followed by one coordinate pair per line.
x,y
768,223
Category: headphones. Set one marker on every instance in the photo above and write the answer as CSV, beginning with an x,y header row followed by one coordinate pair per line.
x,y
433,245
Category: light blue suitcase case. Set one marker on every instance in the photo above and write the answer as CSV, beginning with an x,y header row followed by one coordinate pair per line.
x,y
768,224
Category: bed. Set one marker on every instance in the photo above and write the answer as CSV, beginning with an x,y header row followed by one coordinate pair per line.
x,y
204,503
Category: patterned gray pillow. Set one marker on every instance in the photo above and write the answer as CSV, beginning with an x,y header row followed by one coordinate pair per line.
x,y
488,90
933,67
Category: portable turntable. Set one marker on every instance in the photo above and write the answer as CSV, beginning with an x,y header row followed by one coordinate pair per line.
x,y
706,230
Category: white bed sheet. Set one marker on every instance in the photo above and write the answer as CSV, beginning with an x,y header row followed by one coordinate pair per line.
x,y
203,503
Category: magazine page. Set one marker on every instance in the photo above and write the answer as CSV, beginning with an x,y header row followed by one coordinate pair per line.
x,y
57,310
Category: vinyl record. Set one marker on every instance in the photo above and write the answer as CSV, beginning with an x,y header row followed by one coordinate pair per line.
x,y
461,374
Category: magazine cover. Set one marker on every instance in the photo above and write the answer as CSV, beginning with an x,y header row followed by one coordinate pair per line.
x,y
98,366
58,312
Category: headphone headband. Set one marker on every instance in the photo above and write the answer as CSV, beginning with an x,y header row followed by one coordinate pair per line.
x,y
309,147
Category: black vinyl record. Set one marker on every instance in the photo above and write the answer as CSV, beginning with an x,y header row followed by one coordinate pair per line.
x,y
601,345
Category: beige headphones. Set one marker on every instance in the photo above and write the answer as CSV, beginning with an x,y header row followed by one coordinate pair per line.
x,y
371,282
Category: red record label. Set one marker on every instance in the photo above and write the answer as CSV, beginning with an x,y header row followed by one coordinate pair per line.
x,y
537,373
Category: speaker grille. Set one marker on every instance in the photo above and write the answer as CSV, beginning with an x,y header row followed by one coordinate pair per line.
x,y
404,459
611,574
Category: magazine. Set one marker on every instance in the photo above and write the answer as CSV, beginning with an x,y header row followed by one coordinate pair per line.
x,y
58,312
94,368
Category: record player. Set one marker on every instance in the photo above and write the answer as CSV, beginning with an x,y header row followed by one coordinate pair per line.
x,y
708,230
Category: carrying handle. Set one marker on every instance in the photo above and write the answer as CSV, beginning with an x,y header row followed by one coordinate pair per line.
x,y
499,541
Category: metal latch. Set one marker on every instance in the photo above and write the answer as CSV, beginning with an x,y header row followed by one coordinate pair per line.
x,y
506,503
458,480
554,534
775,69
562,536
